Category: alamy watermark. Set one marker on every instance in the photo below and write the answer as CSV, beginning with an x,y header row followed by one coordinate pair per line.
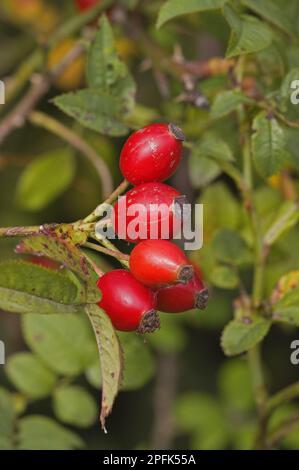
x,y
2,353
294,97
135,222
2,92
294,357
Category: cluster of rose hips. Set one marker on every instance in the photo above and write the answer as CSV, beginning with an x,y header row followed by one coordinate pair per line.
x,y
160,277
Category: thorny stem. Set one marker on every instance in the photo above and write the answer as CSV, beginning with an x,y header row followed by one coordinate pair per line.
x,y
54,126
19,231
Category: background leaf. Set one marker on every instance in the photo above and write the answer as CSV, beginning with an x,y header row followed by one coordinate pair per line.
x,y
138,362
64,342
174,8
74,405
42,433
228,101
105,71
29,375
8,415
271,12
229,247
41,183
248,34
95,110
240,336
268,145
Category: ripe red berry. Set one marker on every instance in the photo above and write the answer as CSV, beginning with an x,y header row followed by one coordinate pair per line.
x,y
44,262
129,304
182,297
83,5
146,220
152,153
158,263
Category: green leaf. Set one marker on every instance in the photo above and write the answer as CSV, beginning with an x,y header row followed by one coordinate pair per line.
x,y
228,101
241,335
64,343
271,12
234,383
171,337
202,415
95,110
204,160
268,145
44,179
29,375
216,148
285,299
110,357
287,218
288,315
248,34
65,253
138,361
105,71
230,248
39,281
74,405
224,277
202,170
20,302
43,433
7,421
28,288
173,8
221,209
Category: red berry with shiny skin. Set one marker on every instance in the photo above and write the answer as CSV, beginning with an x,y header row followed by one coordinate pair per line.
x,y
158,263
151,221
182,297
152,153
129,305
83,5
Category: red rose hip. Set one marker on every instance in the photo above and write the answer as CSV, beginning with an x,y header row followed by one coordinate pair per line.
x,y
152,153
182,297
129,305
158,263
83,5
148,212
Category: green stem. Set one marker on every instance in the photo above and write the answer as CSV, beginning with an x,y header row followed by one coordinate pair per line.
x,y
113,196
286,394
115,253
54,126
109,245
283,430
